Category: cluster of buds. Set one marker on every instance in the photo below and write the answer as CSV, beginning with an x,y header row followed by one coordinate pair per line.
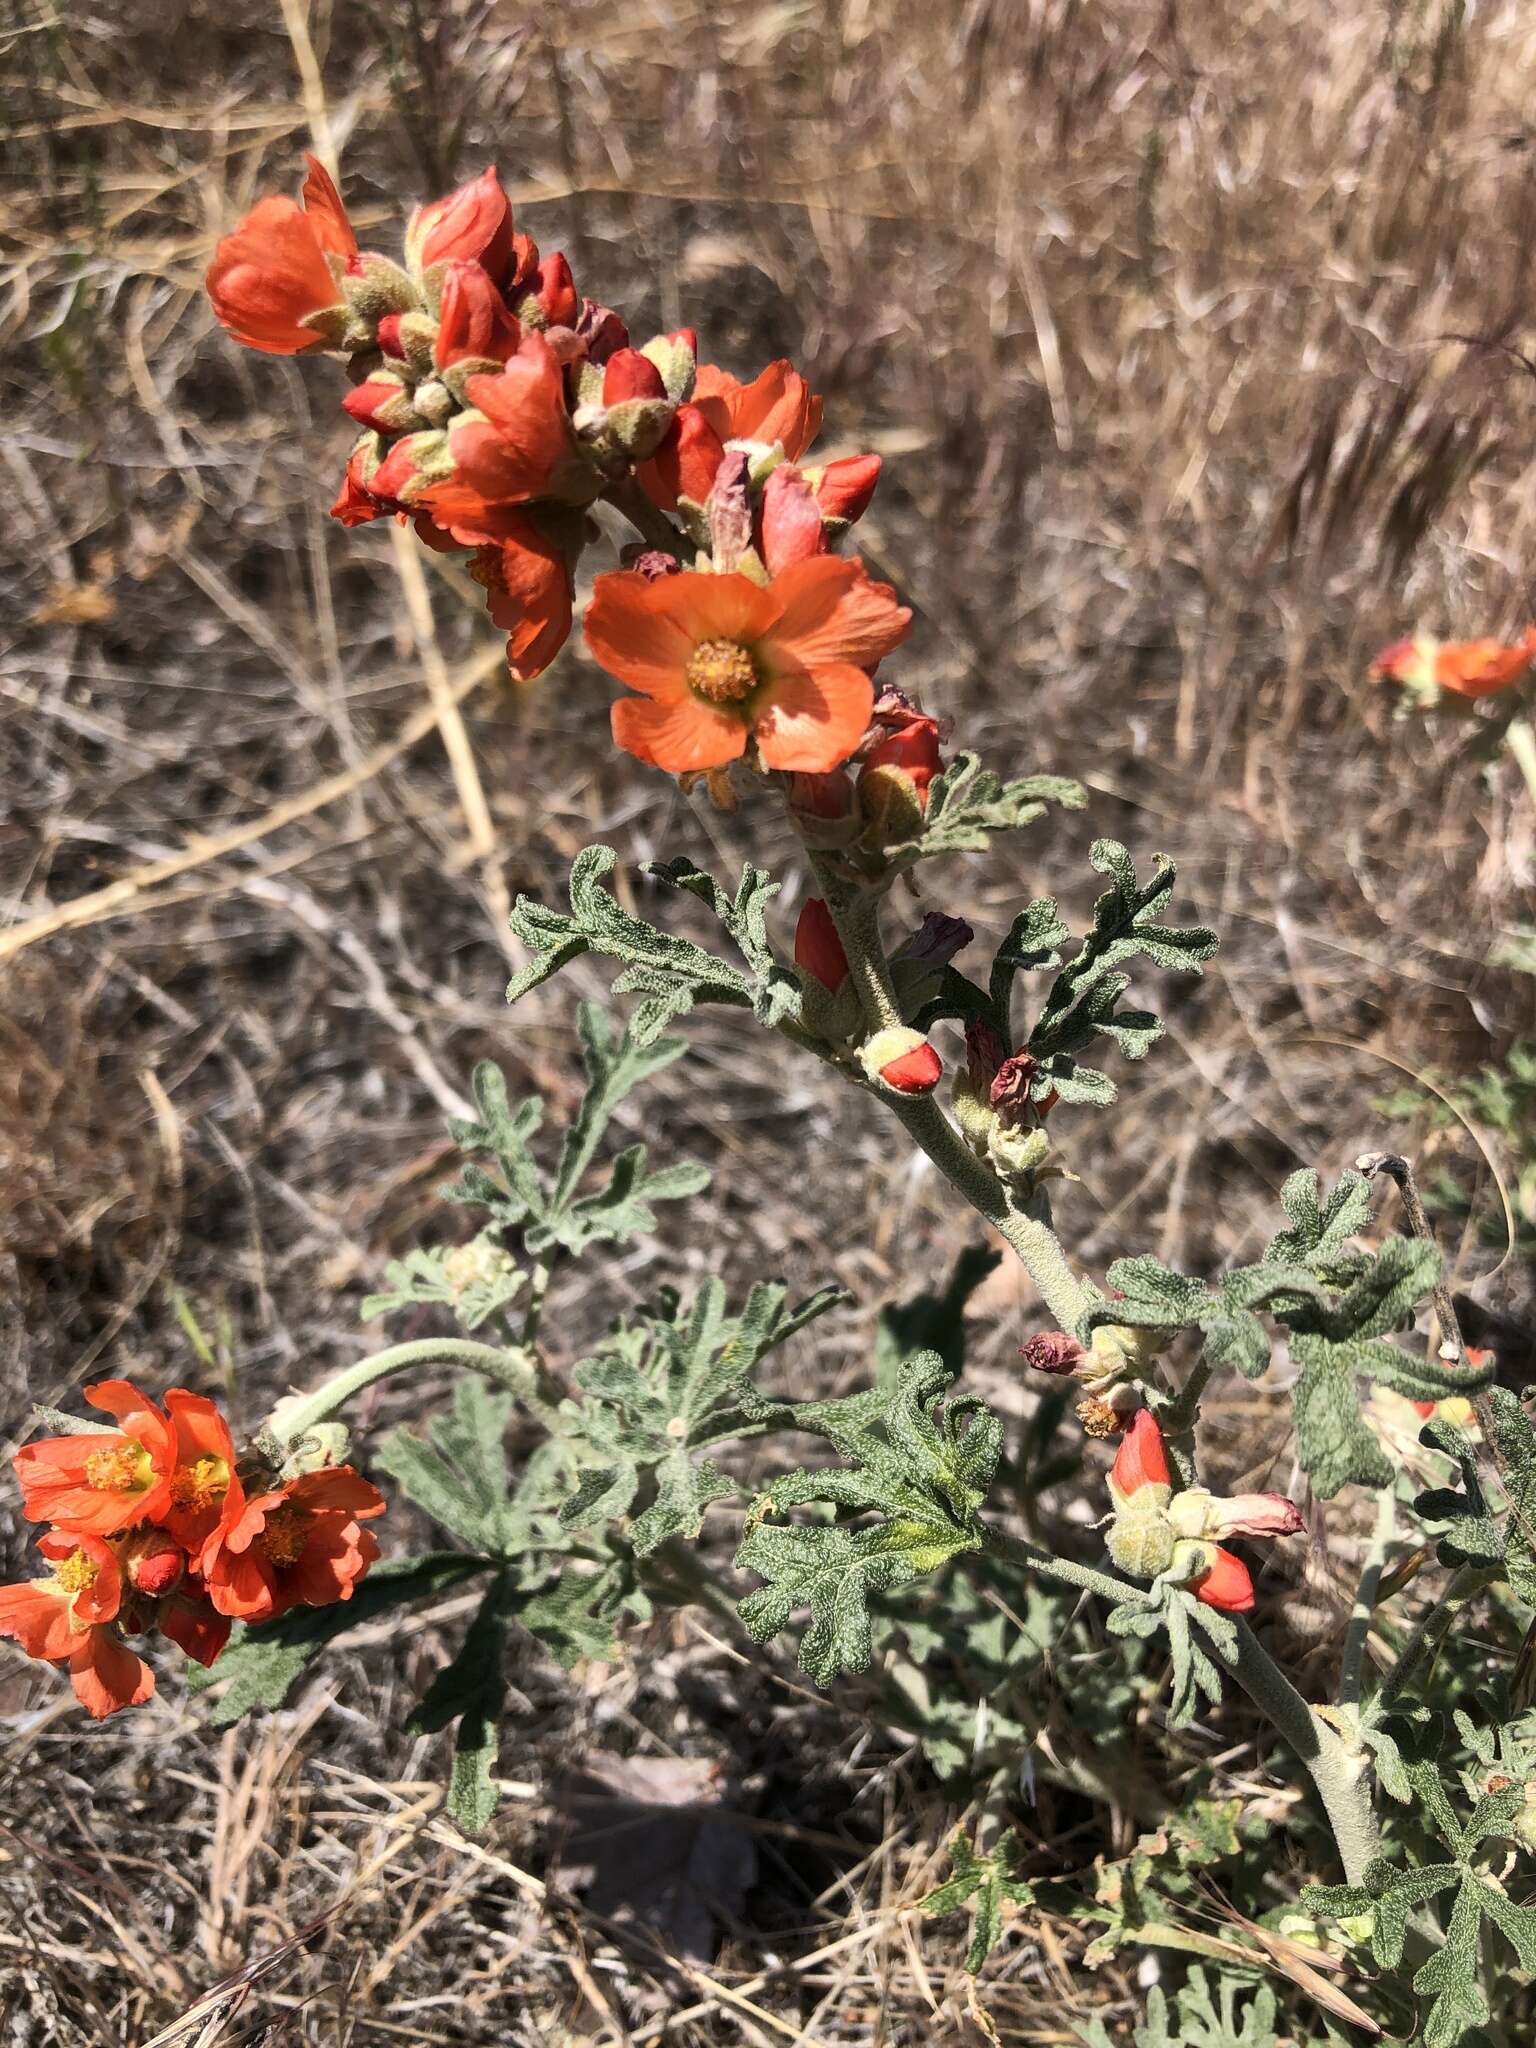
x,y
899,1057
1001,1101
1156,1533
884,802
497,405
1428,669
157,1526
1111,1369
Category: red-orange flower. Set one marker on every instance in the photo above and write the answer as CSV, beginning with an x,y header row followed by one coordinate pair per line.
x,y
684,465
65,1619
107,1480
527,579
301,1545
521,448
473,222
778,405
719,661
1141,1459
274,273
204,1468
1467,668
1225,1583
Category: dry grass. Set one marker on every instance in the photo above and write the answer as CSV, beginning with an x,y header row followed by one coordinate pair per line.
x,y
1198,338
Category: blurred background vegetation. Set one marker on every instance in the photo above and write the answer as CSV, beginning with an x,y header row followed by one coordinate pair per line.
x,y
1197,340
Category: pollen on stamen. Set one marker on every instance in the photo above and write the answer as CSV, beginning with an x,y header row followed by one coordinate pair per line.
x,y
722,671
283,1535
122,1469
76,1572
200,1485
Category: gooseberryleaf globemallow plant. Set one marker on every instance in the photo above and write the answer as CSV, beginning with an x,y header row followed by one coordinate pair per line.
x,y
979,1574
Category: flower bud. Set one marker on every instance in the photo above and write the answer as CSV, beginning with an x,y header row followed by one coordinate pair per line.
x,y
894,779
844,488
629,374
820,796
389,337
375,288
1141,1460
473,322
818,949
473,223
415,462
548,298
676,357
383,402
153,1563
903,1059
1254,1514
600,330
1225,1583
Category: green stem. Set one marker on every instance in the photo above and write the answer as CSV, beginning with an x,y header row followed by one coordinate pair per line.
x,y
856,914
1338,1773
538,1287
297,1417
1465,1585
1352,1664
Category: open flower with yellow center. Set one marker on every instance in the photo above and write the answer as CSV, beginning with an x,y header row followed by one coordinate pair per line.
x,y
301,1545
205,1466
720,661
103,1481
67,1618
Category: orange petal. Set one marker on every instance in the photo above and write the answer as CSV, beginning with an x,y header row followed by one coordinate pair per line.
x,y
36,1616
327,215
679,735
628,634
107,1675
829,610
338,1486
267,275
1226,1585
714,607
778,405
813,719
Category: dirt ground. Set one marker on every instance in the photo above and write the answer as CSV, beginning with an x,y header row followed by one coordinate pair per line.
x,y
1197,340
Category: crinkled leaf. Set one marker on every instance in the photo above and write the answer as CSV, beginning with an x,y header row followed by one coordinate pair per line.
x,y
1479,1535
990,1880
458,1470
471,1690
577,1616
921,1467
968,803
775,991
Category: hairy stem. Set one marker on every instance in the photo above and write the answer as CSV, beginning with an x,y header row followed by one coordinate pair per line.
x,y
514,1369
1338,1772
1521,742
1464,1586
648,520
1352,1664
856,913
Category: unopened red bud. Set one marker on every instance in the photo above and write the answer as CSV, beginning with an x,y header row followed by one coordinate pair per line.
x,y
549,297
1053,1351
473,320
381,402
628,374
389,336
845,487
818,949
601,332
903,1059
895,777
1141,1459
1225,1584
153,1563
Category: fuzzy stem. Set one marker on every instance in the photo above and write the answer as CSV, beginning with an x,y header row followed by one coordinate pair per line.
x,y
1337,1772
1521,742
514,1369
1464,1586
856,914
1352,1663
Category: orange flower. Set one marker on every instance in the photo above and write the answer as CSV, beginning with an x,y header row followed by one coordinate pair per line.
x,y
520,447
279,269
474,222
302,1545
719,661
528,581
65,1619
105,1481
1467,668
684,465
778,405
1225,1583
204,1469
